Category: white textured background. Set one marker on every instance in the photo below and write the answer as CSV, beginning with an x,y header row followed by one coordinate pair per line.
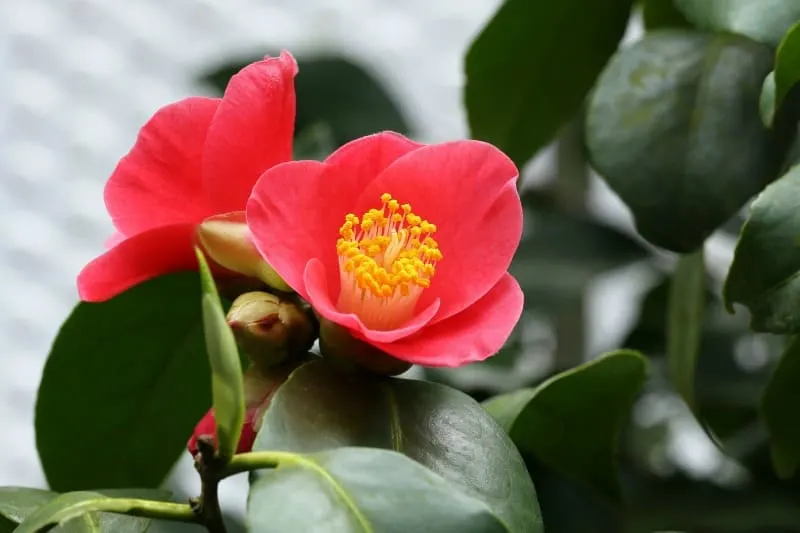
x,y
79,77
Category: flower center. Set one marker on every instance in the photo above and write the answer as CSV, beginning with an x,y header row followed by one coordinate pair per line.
x,y
386,259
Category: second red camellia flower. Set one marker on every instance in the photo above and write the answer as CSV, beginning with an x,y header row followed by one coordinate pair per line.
x,y
405,245
193,161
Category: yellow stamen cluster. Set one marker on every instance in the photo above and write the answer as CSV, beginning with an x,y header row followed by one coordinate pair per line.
x,y
386,259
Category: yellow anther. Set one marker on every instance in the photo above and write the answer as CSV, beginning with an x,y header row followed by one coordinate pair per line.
x,y
387,258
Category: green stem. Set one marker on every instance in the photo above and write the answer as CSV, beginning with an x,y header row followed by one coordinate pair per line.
x,y
246,462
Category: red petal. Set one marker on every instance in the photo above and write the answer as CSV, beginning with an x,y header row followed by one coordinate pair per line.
x,y
251,132
469,336
468,189
297,208
318,294
208,426
138,259
159,182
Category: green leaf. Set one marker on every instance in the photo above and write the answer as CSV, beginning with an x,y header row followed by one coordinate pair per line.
x,y
363,490
123,387
765,21
519,91
18,503
673,126
442,428
79,512
226,370
572,421
662,14
766,102
685,328
333,90
765,273
779,410
787,65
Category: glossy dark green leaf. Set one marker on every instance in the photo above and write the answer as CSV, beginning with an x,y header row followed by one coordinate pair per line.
x,y
787,65
662,14
765,21
19,503
335,91
319,409
779,409
685,327
364,490
526,78
764,275
572,421
83,512
226,371
673,126
123,387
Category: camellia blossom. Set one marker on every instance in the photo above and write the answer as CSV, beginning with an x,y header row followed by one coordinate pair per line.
x,y
405,245
194,161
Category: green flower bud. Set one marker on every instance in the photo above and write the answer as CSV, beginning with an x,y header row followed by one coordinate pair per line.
x,y
268,328
340,347
226,240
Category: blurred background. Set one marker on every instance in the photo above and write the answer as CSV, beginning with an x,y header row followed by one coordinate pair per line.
x,y
79,77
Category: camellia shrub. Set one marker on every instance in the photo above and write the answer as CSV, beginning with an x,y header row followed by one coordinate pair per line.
x,y
279,264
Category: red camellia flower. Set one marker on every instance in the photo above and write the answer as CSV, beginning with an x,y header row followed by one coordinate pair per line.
x,y
193,160
405,245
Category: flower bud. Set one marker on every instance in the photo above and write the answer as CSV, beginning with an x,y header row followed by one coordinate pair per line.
x,y
268,328
226,240
338,345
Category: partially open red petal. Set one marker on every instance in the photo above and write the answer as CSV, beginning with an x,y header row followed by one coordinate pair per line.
x,y
296,208
208,426
468,189
469,336
251,131
318,294
137,259
159,182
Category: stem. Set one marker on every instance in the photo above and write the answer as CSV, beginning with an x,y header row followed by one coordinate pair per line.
x,y
179,512
246,462
208,465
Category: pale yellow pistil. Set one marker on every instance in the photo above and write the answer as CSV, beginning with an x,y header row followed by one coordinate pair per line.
x,y
386,259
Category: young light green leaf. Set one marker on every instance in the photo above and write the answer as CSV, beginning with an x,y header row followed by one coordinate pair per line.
x,y
364,490
765,21
123,387
765,273
519,92
685,322
673,126
766,102
226,369
779,410
572,421
422,420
